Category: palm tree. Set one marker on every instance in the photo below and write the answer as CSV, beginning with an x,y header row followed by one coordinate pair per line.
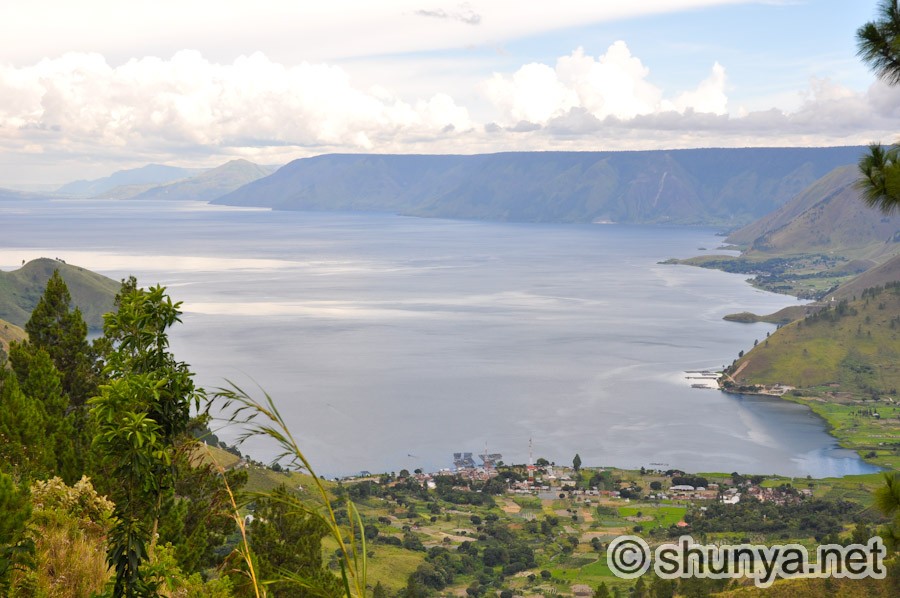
x,y
878,44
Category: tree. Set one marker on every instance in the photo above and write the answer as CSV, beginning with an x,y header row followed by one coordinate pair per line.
x,y
141,415
23,425
66,442
58,367
576,462
63,334
198,518
16,508
640,589
878,44
288,541
887,500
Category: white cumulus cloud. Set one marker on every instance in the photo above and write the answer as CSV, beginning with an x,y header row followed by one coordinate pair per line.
x,y
616,84
187,101
708,97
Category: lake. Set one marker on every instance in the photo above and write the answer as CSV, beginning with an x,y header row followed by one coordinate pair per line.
x,y
391,342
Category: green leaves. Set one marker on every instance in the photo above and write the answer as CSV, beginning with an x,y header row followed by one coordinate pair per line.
x,y
141,415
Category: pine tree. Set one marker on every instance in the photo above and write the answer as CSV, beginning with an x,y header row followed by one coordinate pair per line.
x,y
65,434
23,446
62,333
878,46
14,547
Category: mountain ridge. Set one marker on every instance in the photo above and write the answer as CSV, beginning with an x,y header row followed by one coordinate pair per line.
x,y
149,174
209,184
725,187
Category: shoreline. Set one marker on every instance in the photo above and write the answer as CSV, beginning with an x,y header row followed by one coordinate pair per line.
x,y
865,436
817,406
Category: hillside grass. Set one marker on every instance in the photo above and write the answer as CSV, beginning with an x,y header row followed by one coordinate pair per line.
x,y
854,355
20,291
844,364
10,333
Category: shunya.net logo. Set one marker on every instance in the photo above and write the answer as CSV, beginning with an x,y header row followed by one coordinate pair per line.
x,y
629,557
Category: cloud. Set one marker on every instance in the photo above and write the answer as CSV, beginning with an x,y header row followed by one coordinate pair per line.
x,y
612,101
616,84
78,101
523,126
464,13
79,112
709,96
291,31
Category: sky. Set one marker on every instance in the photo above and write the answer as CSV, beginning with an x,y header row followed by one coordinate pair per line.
x,y
91,87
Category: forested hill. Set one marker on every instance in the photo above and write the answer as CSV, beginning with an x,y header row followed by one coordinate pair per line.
x,y
20,291
727,187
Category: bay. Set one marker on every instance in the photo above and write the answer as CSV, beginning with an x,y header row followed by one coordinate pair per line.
x,y
391,342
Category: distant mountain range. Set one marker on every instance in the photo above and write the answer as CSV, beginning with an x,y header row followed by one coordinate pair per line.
x,y
209,184
157,181
11,194
728,187
136,178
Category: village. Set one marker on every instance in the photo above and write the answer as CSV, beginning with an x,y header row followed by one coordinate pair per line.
x,y
548,481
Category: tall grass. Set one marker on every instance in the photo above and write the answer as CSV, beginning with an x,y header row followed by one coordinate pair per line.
x,y
261,418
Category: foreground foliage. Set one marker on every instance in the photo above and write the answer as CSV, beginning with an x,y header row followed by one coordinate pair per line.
x,y
878,46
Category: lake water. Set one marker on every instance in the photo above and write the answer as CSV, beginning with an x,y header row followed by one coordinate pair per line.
x,y
392,342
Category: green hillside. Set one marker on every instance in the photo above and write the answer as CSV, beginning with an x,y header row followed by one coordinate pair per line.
x,y
9,333
843,361
878,276
20,291
849,347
